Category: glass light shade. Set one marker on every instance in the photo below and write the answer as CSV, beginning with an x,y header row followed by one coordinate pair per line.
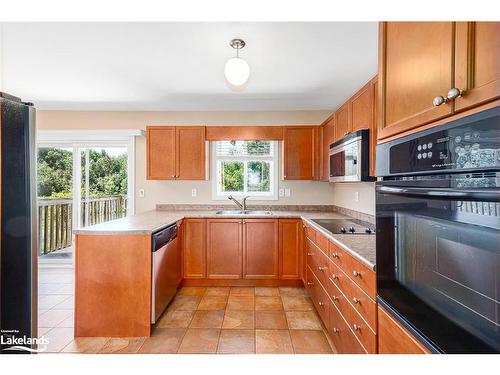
x,y
237,71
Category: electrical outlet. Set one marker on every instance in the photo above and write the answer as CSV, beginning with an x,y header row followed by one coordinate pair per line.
x,y
194,192
281,192
287,192
142,193
356,196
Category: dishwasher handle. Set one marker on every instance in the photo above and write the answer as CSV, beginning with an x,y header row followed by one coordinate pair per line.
x,y
163,237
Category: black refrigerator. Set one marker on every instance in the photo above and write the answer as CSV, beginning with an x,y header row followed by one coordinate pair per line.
x,y
18,224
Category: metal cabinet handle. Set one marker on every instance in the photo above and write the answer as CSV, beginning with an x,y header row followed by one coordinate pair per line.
x,y
321,303
322,269
335,298
439,100
334,276
356,273
310,254
355,300
356,327
310,283
173,176
336,255
336,330
454,93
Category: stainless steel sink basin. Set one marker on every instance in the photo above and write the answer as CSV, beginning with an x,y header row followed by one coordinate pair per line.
x,y
240,212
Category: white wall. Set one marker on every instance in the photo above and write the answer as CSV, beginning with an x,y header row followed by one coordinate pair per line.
x,y
302,192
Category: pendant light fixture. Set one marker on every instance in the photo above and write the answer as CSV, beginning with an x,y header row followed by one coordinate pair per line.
x,y
237,70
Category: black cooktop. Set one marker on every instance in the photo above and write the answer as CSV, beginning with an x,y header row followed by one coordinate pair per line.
x,y
346,226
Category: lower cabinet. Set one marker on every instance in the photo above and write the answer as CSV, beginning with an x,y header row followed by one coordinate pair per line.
x,y
393,338
194,234
224,248
290,249
260,248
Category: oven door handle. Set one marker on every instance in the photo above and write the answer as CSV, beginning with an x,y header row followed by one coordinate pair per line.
x,y
486,195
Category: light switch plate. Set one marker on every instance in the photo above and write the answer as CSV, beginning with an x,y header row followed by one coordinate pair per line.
x,y
194,192
142,193
287,192
281,192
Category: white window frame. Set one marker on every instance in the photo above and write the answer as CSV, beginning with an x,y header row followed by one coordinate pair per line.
x,y
273,174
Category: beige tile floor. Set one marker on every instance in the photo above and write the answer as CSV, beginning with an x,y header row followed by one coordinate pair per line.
x,y
237,320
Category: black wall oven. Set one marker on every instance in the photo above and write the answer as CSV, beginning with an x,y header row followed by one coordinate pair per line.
x,y
438,233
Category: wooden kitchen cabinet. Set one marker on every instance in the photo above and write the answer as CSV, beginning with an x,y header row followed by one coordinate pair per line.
x,y
362,108
415,66
260,249
393,338
176,153
299,147
328,138
477,66
224,248
160,153
342,122
290,248
375,125
194,245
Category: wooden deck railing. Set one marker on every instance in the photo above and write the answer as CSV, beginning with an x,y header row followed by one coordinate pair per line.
x,y
55,219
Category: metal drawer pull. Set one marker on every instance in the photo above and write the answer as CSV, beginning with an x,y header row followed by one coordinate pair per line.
x,y
356,327
321,303
322,269
355,300
439,100
336,330
335,298
336,255
334,276
356,273
310,254
310,283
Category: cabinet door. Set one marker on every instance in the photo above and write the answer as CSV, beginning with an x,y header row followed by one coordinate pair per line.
x,y
328,138
375,122
362,108
194,244
260,248
224,253
393,338
290,248
477,62
342,122
415,66
298,153
160,153
180,246
191,153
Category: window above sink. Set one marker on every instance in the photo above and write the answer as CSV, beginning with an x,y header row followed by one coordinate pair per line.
x,y
245,168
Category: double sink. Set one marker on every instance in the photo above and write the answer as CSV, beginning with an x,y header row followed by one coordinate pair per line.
x,y
243,212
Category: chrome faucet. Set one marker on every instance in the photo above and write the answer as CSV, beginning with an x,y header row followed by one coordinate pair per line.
x,y
242,206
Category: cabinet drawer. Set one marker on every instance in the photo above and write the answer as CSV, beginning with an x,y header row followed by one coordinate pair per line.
x,y
310,232
344,340
339,256
322,242
319,298
317,261
364,277
363,304
356,323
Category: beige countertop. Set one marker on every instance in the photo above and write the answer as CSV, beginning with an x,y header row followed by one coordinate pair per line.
x,y
361,247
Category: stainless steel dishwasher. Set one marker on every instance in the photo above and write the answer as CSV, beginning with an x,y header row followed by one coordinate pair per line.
x,y
165,276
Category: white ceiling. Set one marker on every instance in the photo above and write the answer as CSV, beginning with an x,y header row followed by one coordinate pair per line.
x,y
179,66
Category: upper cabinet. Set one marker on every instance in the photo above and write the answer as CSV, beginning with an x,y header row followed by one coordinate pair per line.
x,y
299,153
477,63
415,67
431,70
362,108
342,121
176,153
328,138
